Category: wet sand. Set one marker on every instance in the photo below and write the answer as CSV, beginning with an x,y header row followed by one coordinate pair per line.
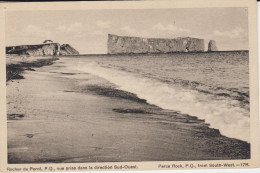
x,y
56,115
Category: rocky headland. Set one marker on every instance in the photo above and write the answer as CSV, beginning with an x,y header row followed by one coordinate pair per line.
x,y
42,49
126,45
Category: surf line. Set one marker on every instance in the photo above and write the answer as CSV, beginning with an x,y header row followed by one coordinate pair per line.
x,y
231,121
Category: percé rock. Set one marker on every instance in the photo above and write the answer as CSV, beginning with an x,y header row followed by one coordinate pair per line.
x,y
127,45
212,46
42,49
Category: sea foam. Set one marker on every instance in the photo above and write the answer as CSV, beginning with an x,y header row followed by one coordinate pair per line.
x,y
232,121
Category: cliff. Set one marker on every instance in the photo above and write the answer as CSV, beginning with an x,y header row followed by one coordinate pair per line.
x,y
121,44
66,49
42,49
212,46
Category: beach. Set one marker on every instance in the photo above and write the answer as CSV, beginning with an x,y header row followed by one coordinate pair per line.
x,y
62,115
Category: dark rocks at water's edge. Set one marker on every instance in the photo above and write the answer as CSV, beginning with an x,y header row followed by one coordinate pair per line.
x,y
212,46
49,48
127,45
14,71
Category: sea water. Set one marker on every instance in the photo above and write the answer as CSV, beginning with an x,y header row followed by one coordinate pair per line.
x,y
211,86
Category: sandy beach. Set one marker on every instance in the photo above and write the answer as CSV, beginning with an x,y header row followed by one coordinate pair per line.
x,y
61,115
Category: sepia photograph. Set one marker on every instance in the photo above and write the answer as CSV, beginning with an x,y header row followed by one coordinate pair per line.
x,y
128,85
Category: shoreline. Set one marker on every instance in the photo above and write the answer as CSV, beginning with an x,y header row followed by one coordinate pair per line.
x,y
15,70
62,116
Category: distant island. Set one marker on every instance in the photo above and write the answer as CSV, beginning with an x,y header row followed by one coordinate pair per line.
x,y
47,48
128,45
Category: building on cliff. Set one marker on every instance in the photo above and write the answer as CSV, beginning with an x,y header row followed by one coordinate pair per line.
x,y
127,45
48,41
42,49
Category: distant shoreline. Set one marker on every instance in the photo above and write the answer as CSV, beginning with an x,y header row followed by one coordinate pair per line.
x,y
170,53
131,54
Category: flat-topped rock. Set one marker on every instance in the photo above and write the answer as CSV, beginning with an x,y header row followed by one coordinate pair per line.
x,y
122,44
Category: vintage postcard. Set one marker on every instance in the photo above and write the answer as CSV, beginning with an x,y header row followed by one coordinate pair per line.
x,y
127,86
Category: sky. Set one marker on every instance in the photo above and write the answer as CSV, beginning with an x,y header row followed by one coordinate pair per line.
x,y
87,30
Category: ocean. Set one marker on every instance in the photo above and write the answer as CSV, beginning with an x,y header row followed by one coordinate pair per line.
x,y
210,86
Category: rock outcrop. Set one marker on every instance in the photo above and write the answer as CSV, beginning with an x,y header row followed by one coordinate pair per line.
x,y
127,45
42,49
66,49
212,46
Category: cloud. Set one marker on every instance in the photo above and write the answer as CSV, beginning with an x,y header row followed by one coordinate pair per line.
x,y
157,30
103,24
74,27
128,30
36,31
235,33
169,28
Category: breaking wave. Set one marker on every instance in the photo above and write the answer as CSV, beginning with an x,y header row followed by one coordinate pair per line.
x,y
232,121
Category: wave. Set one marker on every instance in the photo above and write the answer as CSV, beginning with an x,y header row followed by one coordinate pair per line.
x,y
241,95
231,121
